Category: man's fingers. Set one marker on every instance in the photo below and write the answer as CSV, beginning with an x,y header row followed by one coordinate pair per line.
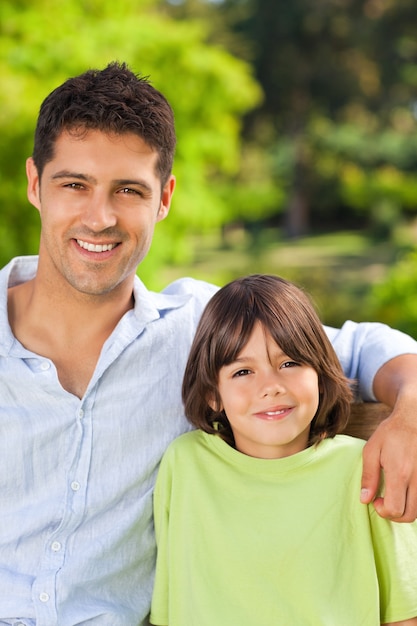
x,y
391,453
399,502
387,512
399,499
391,508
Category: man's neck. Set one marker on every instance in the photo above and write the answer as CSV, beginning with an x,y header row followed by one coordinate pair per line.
x,y
70,329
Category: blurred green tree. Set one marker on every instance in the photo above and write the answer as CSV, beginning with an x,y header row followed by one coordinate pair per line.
x,y
339,78
394,299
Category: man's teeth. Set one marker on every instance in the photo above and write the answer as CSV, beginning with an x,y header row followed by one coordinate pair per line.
x,y
91,247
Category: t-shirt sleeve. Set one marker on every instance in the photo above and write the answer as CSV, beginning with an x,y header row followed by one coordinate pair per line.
x,y
395,549
161,498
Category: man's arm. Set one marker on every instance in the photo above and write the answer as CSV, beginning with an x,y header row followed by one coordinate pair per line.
x,y
383,361
393,446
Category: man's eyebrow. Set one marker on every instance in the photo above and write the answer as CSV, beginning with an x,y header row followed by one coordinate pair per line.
x,y
70,174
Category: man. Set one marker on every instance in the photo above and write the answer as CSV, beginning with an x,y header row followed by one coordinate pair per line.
x,y
91,365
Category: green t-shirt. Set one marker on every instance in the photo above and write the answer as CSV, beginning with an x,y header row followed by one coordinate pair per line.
x,y
255,542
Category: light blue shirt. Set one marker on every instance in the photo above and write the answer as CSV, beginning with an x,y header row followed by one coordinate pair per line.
x,y
76,479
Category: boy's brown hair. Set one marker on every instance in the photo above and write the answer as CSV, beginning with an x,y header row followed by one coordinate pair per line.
x,y
286,313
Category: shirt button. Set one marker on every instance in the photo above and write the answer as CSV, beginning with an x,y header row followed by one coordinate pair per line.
x,y
80,413
44,597
75,485
45,365
56,546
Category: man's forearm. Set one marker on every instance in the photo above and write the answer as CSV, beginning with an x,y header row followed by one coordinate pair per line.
x,y
396,381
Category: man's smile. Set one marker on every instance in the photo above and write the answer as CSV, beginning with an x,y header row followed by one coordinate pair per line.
x,y
92,247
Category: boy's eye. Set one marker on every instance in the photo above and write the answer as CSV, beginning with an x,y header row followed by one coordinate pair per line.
x,y
289,364
242,372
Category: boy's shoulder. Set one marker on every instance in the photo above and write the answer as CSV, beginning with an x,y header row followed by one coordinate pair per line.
x,y
341,447
185,444
347,442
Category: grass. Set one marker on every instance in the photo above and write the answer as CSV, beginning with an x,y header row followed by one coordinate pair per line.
x,y
337,269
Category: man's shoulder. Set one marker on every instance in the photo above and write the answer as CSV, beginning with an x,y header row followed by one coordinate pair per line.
x,y
184,294
191,286
19,270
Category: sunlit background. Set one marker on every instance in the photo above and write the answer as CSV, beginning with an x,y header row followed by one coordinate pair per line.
x,y
297,143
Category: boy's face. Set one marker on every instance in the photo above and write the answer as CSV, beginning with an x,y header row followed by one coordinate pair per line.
x,y
99,199
268,399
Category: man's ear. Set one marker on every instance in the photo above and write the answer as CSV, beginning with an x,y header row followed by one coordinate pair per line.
x,y
166,197
33,188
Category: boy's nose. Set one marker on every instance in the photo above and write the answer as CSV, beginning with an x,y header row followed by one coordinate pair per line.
x,y
272,385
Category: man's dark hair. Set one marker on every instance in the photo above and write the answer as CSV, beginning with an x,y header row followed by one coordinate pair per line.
x,y
112,100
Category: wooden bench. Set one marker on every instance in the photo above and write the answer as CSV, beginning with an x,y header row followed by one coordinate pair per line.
x,y
365,417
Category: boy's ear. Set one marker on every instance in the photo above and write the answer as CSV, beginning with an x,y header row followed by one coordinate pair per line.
x,y
213,403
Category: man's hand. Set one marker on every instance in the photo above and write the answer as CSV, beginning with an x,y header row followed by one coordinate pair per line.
x,y
392,448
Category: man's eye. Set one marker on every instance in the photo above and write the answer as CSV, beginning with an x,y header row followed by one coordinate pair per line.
x,y
73,185
129,190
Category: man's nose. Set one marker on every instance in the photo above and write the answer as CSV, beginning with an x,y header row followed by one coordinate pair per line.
x,y
99,213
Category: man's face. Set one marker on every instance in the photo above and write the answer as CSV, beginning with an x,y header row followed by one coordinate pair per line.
x,y
99,199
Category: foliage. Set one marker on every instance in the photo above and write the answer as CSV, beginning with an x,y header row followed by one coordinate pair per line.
x,y
338,269
329,138
394,299
339,79
208,88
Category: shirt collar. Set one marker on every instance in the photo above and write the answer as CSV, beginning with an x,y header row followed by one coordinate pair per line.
x,y
148,307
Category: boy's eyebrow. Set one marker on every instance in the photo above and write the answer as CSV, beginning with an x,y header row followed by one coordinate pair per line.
x,y
249,357
237,360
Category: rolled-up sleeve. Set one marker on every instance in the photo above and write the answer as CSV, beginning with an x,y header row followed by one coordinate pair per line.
x,y
364,347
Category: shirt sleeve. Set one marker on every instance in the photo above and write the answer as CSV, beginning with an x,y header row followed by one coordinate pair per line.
x,y
364,347
395,550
